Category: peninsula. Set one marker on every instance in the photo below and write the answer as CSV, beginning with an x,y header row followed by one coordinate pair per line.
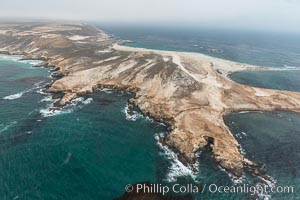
x,y
190,92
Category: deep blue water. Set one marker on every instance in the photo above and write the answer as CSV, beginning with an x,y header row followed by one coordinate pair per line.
x,y
91,151
258,48
272,137
280,80
86,151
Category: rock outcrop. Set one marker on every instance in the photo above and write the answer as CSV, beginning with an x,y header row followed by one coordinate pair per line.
x,y
188,91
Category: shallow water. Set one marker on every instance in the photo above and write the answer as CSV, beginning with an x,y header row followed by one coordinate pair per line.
x,y
91,151
272,138
87,151
280,129
258,48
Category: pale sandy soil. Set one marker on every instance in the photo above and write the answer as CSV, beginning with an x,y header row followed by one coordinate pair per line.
x,y
190,92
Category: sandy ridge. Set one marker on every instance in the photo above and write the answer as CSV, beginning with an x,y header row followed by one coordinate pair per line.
x,y
190,92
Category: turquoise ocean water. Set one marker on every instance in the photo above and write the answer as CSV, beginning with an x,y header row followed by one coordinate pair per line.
x,y
87,151
92,149
271,138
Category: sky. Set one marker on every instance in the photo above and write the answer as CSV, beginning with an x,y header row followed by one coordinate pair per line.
x,y
282,15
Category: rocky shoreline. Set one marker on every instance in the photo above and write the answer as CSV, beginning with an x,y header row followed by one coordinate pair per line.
x,y
189,92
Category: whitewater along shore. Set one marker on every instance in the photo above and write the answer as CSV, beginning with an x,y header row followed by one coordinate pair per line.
x,y
190,92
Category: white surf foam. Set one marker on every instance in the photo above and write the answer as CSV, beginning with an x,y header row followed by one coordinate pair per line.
x,y
48,98
10,57
131,115
290,67
245,134
14,96
69,108
41,91
177,169
266,181
243,112
31,62
79,102
250,111
242,150
149,119
236,180
238,135
106,90
47,112
18,58
18,95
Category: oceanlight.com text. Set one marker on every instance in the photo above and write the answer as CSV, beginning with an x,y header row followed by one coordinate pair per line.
x,y
211,188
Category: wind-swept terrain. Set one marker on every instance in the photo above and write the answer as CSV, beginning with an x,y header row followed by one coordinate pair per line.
x,y
188,91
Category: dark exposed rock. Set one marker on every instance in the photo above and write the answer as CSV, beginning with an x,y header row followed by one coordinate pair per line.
x,y
183,90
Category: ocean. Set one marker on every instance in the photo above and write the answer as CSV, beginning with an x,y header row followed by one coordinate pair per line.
x,y
88,150
271,138
252,47
92,149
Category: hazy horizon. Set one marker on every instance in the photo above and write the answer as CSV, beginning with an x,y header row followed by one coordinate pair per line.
x,y
266,15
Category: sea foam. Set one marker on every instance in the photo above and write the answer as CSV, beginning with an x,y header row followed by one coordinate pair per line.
x,y
18,58
106,90
69,108
177,168
31,62
18,95
10,57
131,115
14,96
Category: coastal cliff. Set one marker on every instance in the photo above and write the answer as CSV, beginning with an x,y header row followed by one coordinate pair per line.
x,y
190,92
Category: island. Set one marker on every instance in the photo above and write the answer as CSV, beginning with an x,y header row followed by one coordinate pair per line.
x,y
189,92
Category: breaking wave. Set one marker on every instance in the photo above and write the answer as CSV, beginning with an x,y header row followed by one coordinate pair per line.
x,y
75,104
10,57
106,90
20,94
177,168
290,67
31,62
18,58
131,115
14,96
